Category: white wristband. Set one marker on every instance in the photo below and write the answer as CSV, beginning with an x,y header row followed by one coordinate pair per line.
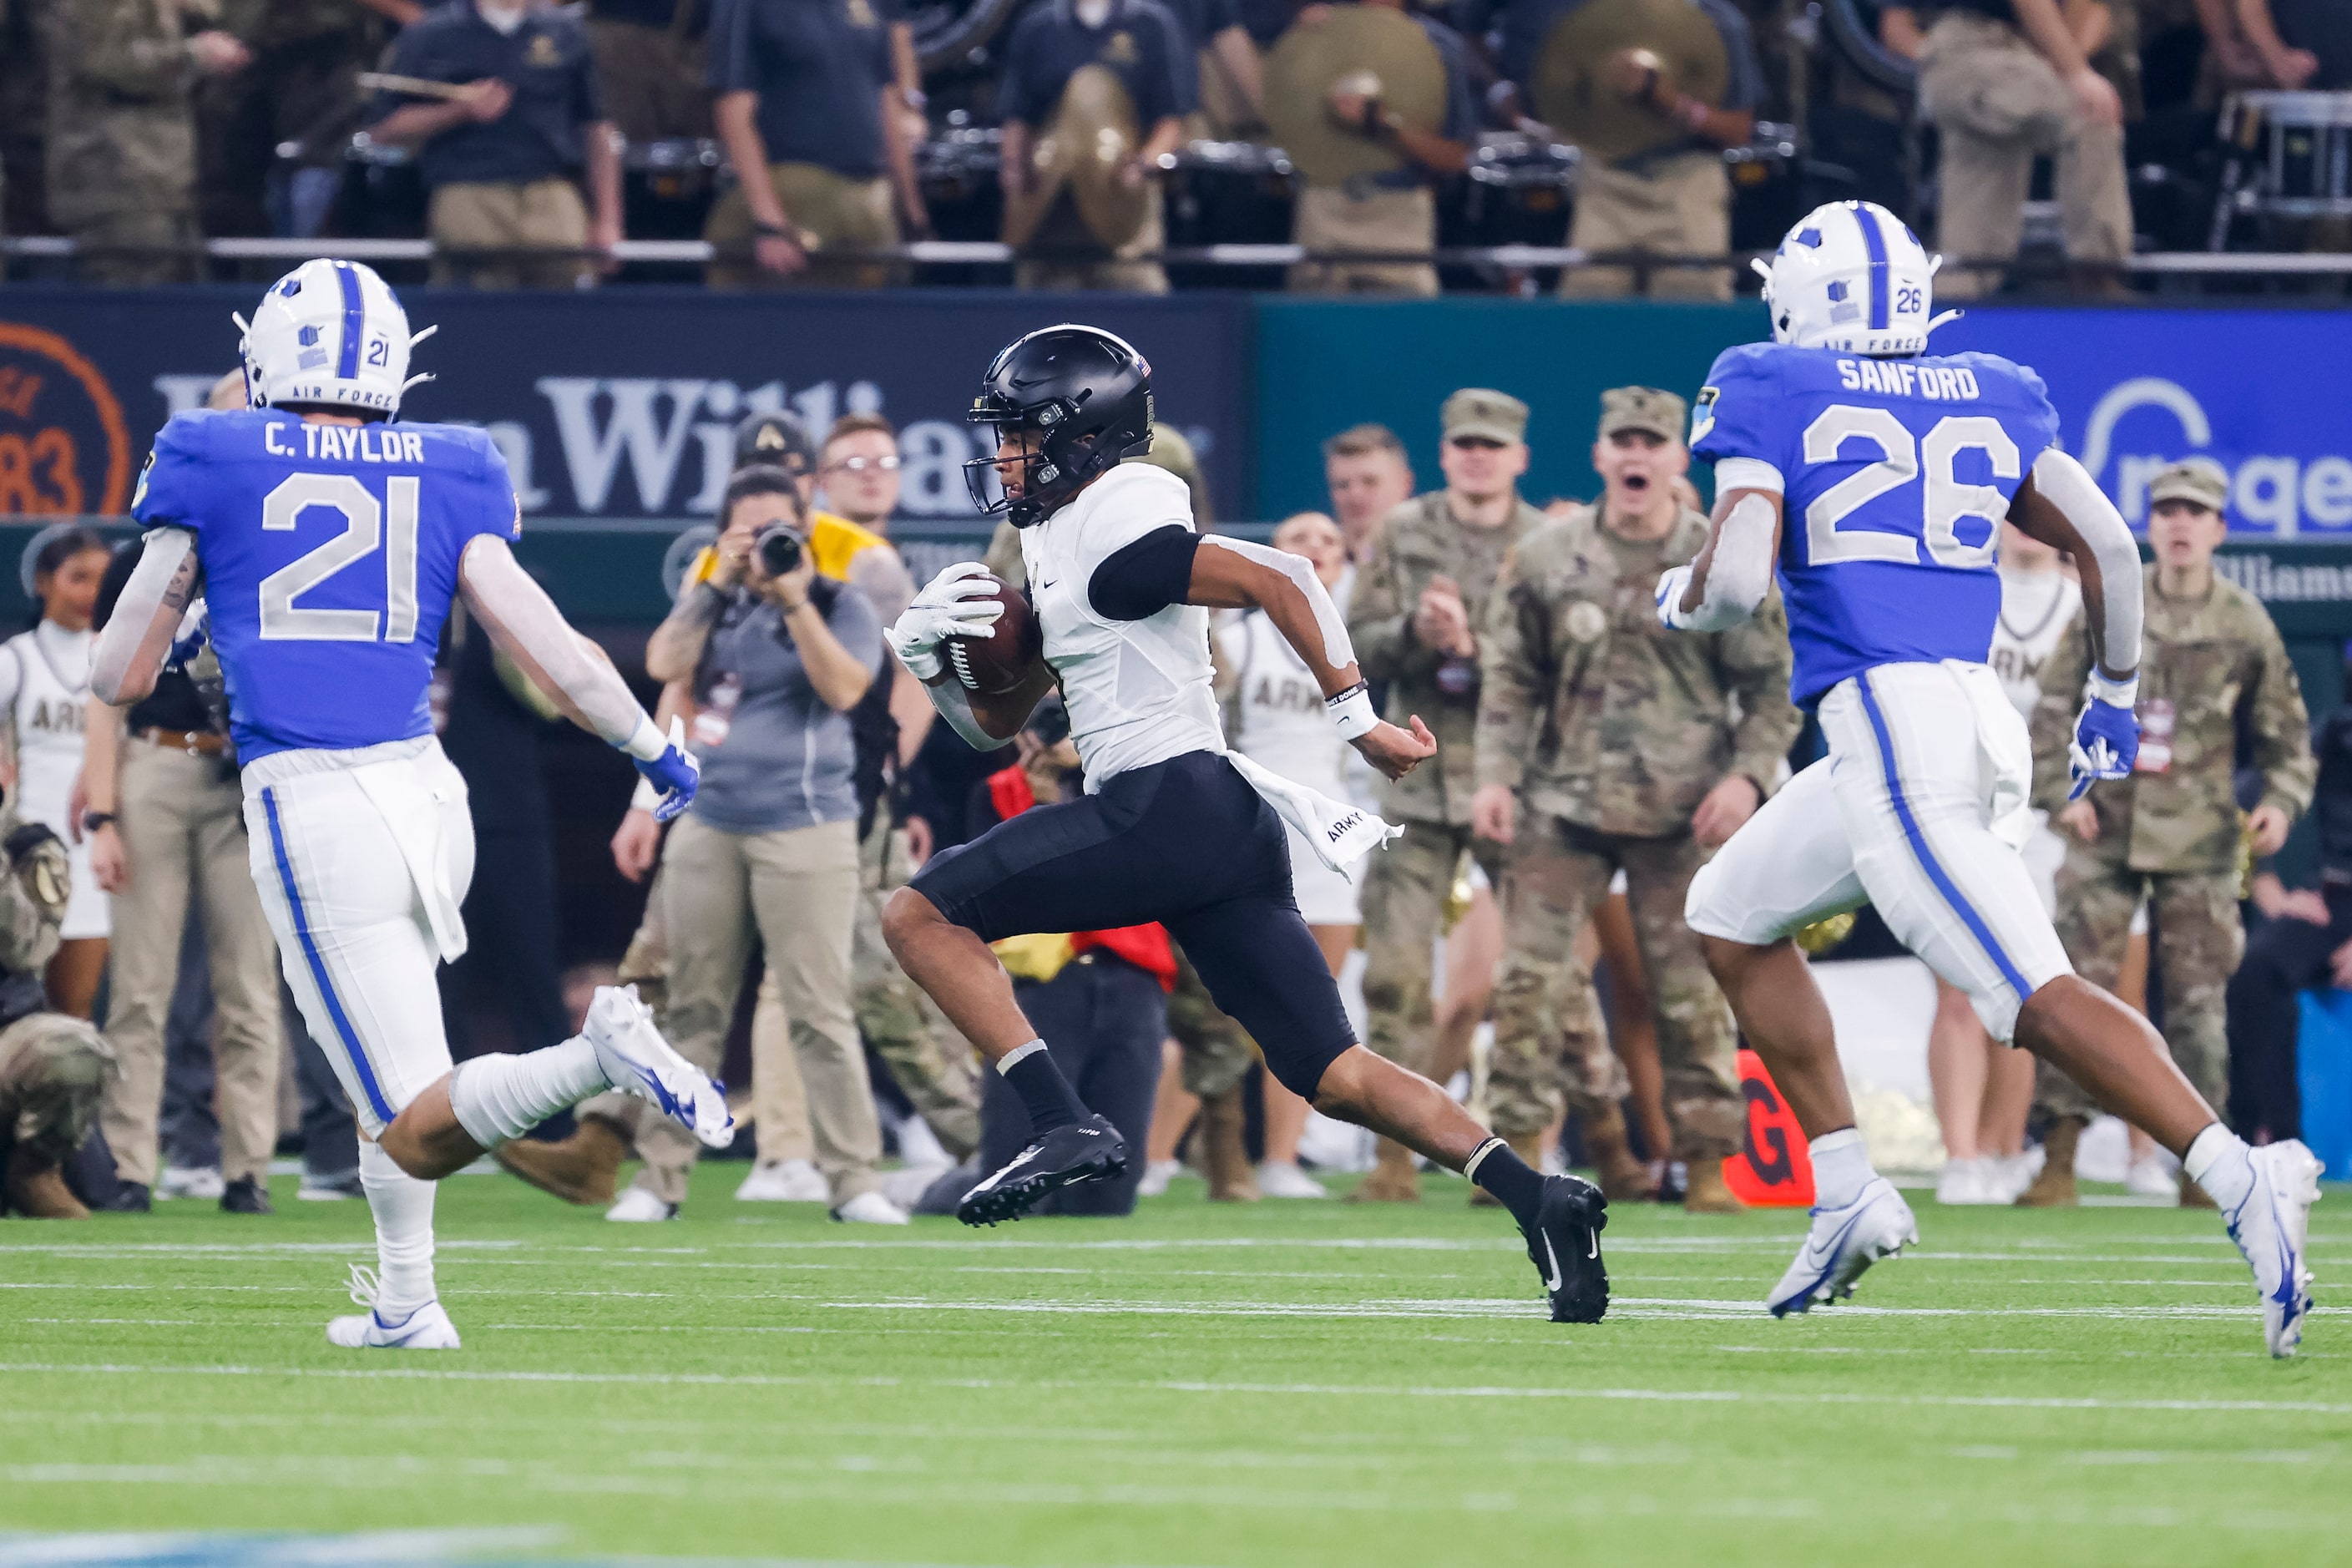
x,y
2123,693
1352,712
644,797
644,743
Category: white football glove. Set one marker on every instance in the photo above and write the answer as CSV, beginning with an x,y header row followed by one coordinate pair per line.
x,y
1672,587
961,602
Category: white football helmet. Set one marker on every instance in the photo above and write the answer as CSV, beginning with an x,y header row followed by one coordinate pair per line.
x,y
1851,276
328,333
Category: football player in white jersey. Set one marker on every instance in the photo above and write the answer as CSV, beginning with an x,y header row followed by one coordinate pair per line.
x,y
1892,470
1172,828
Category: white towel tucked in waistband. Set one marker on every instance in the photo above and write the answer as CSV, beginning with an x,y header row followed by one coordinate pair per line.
x,y
1341,833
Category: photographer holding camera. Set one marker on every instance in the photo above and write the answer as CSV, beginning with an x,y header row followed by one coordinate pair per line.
x,y
779,656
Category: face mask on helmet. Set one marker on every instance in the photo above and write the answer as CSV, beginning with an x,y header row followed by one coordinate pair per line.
x,y
329,334
1074,401
1851,276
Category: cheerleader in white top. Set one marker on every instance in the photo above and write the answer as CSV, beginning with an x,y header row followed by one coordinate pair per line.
x,y
1983,1091
45,690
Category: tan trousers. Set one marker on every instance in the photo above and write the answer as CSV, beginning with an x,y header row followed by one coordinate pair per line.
x,y
182,824
1327,218
1119,274
829,210
1996,103
491,216
797,892
1681,206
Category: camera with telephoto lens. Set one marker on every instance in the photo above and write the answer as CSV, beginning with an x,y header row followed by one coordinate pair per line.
x,y
779,549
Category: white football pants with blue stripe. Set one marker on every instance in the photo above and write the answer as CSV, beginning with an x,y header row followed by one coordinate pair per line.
x,y
363,858
1917,809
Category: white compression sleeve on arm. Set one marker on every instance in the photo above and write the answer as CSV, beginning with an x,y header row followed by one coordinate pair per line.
x,y
2068,486
136,626
524,621
1337,648
1740,573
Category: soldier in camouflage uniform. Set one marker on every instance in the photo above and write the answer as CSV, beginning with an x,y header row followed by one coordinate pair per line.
x,y
122,148
1607,742
2213,676
1419,596
53,1069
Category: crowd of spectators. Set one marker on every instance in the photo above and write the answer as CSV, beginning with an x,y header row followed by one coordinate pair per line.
x,y
525,139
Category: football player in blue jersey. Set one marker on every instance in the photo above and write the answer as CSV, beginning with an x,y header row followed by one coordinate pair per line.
x,y
1874,477
330,542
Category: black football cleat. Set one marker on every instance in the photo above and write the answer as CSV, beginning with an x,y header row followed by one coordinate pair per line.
x,y
1088,1150
1564,1247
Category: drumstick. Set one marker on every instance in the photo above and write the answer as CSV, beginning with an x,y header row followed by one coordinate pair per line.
x,y
416,86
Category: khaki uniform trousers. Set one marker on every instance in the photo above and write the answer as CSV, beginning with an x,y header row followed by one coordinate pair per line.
x,y
1548,1030
2197,938
1404,909
54,1072
830,210
182,818
488,216
1330,218
1119,272
1996,103
796,892
650,79
1678,206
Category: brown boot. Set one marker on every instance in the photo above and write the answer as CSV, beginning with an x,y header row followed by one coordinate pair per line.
x,y
1394,1178
36,1189
1623,1179
2193,1197
1529,1148
1224,1148
2054,1187
579,1169
1705,1191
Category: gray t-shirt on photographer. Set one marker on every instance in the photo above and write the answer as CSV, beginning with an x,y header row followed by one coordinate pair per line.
x,y
787,759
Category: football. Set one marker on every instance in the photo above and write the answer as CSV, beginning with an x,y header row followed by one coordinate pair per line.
x,y
999,662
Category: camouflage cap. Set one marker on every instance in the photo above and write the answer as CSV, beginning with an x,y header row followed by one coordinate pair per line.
x,y
1646,408
1484,414
2200,481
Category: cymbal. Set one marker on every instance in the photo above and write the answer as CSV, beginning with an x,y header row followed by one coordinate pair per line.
x,y
1370,50
1093,135
1570,90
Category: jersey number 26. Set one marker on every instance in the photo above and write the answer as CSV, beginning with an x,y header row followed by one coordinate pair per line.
x,y
1945,502
366,524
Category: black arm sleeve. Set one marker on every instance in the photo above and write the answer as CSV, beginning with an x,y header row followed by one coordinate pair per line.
x,y
1139,579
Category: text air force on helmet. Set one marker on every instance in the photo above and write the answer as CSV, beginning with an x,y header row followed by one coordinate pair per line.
x,y
1851,276
330,335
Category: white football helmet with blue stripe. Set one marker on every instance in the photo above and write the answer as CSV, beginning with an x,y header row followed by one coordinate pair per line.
x,y
330,333
1851,276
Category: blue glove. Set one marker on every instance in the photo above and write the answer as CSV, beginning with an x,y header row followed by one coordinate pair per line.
x,y
188,640
2106,737
675,772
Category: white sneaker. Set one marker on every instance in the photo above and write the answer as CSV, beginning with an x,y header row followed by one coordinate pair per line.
x,y
918,1145
637,1205
638,1061
1156,1177
783,1182
870,1208
2269,1228
2155,1176
427,1327
190,1182
1284,1179
1842,1242
1974,1182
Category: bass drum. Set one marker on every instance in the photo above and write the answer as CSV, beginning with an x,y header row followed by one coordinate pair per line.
x,y
1228,193
957,170
382,195
1518,190
1769,189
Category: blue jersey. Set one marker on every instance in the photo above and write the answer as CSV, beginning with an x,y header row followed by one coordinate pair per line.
x,y
329,556
1894,476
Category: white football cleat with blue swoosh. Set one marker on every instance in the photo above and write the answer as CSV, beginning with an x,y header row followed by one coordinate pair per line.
x,y
2270,1226
425,1328
638,1061
1842,1243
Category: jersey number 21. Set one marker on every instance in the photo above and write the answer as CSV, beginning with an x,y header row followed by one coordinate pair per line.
x,y
367,523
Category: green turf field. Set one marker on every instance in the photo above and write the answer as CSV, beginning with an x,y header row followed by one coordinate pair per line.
x,y
1285,1383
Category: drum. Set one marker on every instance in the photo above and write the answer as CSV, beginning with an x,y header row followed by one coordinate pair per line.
x,y
1516,190
667,186
957,172
1767,188
2302,147
382,195
1228,193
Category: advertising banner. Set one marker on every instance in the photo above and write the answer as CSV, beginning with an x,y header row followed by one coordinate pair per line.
x,y
611,405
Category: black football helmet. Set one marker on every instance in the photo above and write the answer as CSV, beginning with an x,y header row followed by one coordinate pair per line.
x,y
779,440
1083,393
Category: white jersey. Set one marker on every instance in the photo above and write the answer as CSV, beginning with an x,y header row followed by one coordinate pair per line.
x,y
1138,692
2036,608
1279,716
45,686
